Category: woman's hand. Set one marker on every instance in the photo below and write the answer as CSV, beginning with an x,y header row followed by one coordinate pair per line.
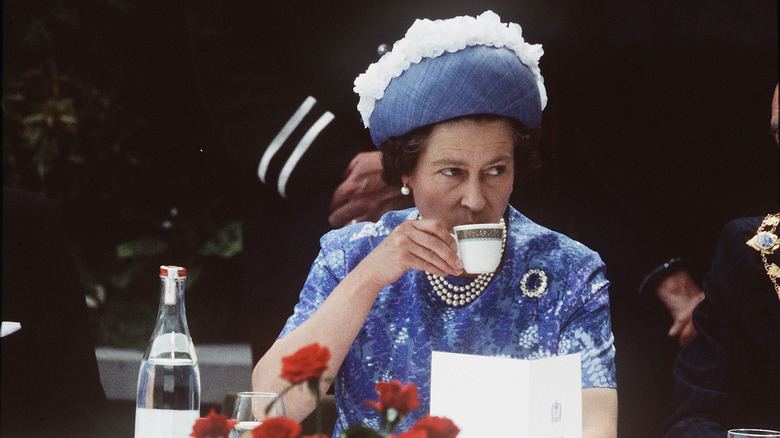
x,y
424,244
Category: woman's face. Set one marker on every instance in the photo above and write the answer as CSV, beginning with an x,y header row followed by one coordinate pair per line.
x,y
465,172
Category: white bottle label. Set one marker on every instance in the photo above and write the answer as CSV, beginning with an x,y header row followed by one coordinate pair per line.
x,y
164,423
170,291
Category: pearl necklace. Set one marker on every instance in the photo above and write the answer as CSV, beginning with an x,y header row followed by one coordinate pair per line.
x,y
457,296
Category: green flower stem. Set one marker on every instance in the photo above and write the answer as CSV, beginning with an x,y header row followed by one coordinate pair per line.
x,y
277,398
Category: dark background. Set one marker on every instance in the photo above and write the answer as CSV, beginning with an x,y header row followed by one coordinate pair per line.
x,y
656,134
100,113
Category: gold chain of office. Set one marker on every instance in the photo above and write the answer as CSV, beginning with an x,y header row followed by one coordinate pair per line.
x,y
766,242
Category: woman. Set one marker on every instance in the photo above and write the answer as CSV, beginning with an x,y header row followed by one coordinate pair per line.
x,y
453,107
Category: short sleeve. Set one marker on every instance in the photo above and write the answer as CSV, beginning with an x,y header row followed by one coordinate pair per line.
x,y
327,271
589,330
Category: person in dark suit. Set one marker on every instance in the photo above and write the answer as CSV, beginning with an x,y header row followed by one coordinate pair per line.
x,y
50,383
728,376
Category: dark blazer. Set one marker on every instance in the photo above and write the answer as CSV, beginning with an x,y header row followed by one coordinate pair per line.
x,y
729,375
50,383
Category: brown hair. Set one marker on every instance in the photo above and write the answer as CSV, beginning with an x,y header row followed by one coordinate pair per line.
x,y
400,154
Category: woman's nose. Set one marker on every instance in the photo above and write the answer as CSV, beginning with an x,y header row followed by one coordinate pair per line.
x,y
473,195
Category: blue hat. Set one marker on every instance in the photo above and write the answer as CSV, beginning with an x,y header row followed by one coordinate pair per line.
x,y
449,68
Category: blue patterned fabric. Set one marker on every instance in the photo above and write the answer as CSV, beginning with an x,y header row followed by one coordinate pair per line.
x,y
408,320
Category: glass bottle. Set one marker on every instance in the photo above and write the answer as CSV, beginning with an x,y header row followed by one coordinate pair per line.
x,y
168,397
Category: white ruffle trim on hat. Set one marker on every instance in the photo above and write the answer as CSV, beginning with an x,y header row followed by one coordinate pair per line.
x,y
430,39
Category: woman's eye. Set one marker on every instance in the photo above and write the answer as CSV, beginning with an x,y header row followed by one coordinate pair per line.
x,y
452,171
496,170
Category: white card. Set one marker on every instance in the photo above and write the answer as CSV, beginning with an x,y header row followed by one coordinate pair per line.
x,y
505,397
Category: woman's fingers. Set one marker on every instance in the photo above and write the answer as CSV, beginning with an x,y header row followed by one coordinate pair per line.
x,y
437,269
432,244
421,245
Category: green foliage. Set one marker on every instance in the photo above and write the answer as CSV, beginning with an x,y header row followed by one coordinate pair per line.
x,y
226,243
98,114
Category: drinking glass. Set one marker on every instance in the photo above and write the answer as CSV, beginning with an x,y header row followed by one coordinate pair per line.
x,y
251,408
748,433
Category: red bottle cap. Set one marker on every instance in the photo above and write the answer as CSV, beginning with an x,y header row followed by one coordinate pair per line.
x,y
172,271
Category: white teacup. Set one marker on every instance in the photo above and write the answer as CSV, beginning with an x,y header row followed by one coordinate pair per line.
x,y
479,246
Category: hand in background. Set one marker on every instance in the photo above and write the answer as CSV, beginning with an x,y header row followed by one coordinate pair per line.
x,y
362,195
680,294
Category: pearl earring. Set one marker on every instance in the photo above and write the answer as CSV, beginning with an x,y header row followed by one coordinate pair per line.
x,y
405,190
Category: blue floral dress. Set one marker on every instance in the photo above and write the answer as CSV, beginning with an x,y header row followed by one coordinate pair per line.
x,y
408,320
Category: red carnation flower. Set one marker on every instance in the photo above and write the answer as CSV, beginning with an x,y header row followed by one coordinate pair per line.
x,y
277,427
394,395
213,426
307,363
436,427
